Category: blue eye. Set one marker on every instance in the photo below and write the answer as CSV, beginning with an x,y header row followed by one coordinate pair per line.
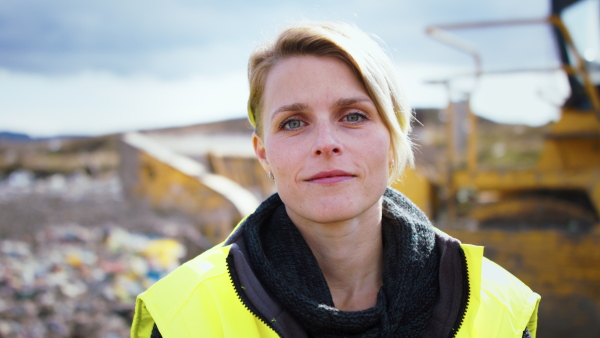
x,y
292,124
355,117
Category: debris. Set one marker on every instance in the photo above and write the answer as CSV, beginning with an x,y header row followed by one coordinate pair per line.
x,y
76,268
72,281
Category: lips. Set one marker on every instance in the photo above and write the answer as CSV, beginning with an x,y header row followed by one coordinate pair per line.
x,y
330,177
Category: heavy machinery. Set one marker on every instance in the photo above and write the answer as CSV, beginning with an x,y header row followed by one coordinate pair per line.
x,y
542,222
565,179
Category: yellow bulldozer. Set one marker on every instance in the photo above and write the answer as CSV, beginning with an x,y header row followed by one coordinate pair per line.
x,y
540,222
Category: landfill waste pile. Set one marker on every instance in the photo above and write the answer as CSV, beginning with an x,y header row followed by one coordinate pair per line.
x,y
74,255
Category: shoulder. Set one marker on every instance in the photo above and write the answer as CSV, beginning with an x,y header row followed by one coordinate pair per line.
x,y
188,279
502,285
506,291
498,298
194,282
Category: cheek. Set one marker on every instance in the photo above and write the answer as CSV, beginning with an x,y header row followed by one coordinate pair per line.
x,y
281,157
375,142
379,160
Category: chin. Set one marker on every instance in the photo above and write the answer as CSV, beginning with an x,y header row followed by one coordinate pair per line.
x,y
328,217
327,210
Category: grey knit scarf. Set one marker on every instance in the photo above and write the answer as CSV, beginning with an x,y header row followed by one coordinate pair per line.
x,y
286,266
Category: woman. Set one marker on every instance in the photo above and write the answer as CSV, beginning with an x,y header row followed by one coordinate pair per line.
x,y
334,253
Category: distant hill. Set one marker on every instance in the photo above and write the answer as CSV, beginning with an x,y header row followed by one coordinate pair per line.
x,y
10,136
231,126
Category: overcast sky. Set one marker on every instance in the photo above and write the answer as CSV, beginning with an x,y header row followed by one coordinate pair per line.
x,y
96,67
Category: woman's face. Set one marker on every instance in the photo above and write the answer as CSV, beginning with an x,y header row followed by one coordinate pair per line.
x,y
323,139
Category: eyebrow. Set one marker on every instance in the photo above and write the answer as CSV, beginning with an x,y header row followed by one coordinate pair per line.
x,y
291,107
350,101
339,103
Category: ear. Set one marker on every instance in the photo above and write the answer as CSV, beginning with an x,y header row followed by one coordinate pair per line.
x,y
261,153
391,157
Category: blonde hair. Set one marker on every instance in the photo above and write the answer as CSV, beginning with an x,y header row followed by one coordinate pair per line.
x,y
366,58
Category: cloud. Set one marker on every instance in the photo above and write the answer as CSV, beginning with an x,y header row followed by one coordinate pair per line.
x,y
526,98
103,66
63,37
150,37
98,103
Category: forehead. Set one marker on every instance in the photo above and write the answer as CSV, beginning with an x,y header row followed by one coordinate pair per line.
x,y
311,66
310,79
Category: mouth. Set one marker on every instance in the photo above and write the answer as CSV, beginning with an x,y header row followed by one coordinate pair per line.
x,y
330,177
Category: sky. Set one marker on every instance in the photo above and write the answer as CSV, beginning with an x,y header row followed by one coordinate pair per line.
x,y
99,67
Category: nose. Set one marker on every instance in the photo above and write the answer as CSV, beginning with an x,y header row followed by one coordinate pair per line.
x,y
327,142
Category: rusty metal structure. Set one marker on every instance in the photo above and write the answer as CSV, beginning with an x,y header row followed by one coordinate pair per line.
x,y
541,223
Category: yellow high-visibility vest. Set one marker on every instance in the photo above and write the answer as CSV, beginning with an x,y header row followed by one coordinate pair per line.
x,y
199,300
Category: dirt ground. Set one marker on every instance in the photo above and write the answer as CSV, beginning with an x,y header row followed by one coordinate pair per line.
x,y
28,204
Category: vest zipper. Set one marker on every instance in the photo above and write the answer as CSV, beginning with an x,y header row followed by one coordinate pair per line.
x,y
239,290
465,297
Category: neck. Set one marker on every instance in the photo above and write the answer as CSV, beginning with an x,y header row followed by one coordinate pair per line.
x,y
350,254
